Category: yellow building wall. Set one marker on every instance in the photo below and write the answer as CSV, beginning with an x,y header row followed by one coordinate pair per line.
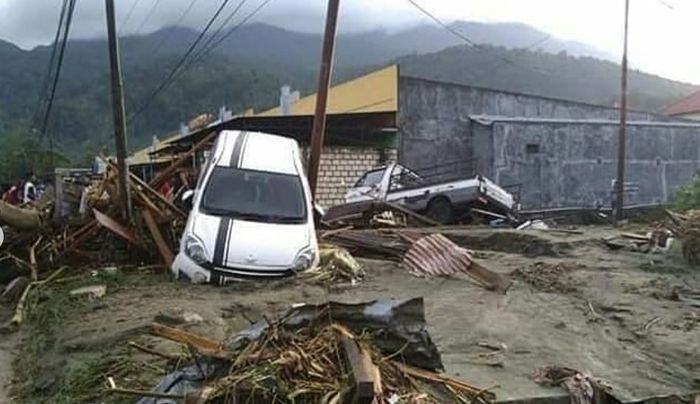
x,y
374,92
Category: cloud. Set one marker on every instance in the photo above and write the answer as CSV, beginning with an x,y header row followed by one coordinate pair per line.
x,y
661,38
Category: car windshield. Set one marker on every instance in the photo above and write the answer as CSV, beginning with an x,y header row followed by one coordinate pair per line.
x,y
255,196
370,178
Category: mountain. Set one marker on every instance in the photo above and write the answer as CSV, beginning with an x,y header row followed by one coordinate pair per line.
x,y
561,75
250,66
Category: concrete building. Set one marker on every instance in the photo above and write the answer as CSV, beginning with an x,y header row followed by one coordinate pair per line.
x,y
572,162
687,108
561,153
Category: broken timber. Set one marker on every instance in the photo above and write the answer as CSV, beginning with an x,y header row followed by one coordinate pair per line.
x,y
205,346
163,249
366,385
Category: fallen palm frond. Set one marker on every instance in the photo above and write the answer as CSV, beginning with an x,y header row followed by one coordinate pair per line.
x,y
336,265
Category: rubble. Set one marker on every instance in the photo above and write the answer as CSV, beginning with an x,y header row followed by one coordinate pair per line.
x,y
327,353
422,254
335,265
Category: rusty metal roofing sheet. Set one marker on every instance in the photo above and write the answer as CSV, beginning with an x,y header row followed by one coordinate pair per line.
x,y
436,255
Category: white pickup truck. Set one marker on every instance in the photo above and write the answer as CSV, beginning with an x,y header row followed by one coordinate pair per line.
x,y
443,201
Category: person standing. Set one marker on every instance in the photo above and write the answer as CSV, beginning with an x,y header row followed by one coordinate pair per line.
x,y
29,194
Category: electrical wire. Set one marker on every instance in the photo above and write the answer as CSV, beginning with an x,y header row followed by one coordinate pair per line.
x,y
41,100
59,64
148,16
230,32
181,62
184,14
128,15
466,39
221,27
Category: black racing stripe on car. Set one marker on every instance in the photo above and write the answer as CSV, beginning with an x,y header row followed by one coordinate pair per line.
x,y
221,236
229,237
238,150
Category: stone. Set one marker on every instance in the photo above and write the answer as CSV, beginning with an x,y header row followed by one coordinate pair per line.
x,y
92,292
177,316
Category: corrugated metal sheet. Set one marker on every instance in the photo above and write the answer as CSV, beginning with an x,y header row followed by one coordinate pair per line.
x,y
436,255
374,92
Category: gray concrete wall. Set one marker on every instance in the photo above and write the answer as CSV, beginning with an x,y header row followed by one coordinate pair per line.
x,y
434,117
573,164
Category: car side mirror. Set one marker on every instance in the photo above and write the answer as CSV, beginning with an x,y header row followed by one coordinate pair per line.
x,y
188,198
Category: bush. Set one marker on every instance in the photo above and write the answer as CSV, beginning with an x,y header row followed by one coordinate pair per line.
x,y
687,197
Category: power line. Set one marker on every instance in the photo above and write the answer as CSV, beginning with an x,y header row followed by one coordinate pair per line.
x,y
230,32
465,38
667,5
184,14
41,100
148,16
221,27
538,42
128,15
179,63
59,64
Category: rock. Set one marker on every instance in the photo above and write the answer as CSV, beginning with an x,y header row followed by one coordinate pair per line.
x,y
92,292
110,271
13,291
177,316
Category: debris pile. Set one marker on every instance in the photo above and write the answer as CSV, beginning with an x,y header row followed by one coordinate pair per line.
x,y
101,237
329,353
656,241
583,388
423,255
335,265
687,228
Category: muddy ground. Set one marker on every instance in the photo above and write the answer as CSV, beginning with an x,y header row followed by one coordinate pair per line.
x,y
629,318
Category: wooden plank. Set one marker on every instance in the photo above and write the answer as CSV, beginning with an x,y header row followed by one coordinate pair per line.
x,y
116,228
364,373
448,381
141,188
163,248
203,345
181,161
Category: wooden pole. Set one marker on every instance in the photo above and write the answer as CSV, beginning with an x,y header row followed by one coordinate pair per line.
x,y
118,111
324,80
620,184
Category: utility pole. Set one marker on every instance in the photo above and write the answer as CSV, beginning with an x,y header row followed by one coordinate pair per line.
x,y
324,80
119,112
620,184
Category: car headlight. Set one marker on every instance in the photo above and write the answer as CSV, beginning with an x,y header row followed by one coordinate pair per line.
x,y
304,260
195,250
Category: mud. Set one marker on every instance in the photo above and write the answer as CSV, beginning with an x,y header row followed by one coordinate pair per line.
x,y
578,305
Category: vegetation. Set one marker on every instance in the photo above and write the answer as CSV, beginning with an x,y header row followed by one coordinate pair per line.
x,y
247,71
687,197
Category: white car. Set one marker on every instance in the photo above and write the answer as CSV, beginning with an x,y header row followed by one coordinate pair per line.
x,y
251,214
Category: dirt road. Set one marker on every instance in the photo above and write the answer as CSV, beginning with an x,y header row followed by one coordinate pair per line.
x,y
619,315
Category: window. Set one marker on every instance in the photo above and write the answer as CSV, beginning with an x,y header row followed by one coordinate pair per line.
x,y
254,195
532,148
370,178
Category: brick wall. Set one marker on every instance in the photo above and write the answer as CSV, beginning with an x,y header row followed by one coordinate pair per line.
x,y
341,167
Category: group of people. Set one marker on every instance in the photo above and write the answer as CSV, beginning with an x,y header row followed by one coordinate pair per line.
x,y
22,192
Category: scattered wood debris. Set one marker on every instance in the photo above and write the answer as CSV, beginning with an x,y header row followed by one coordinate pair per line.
x,y
316,357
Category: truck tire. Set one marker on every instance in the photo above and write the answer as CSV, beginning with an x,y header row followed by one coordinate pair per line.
x,y
440,210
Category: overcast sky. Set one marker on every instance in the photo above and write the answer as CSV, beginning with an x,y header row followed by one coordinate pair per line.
x,y
663,33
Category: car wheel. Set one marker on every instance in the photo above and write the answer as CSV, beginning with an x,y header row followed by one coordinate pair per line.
x,y
440,210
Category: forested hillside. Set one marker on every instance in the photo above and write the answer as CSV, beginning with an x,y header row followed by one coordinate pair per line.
x,y
248,69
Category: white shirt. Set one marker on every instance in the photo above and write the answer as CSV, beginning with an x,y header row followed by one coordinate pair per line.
x,y
29,194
